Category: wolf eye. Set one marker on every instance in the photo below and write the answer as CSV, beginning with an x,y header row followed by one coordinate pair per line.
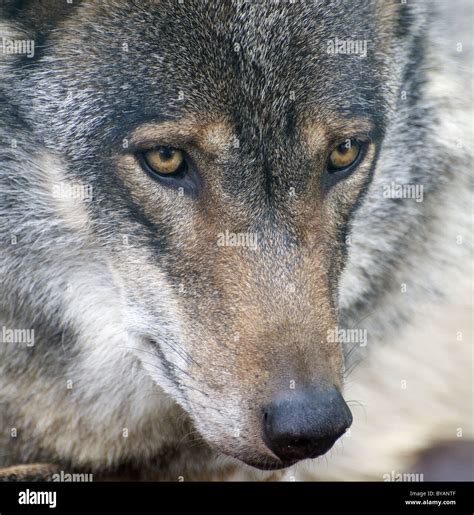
x,y
164,160
172,168
344,156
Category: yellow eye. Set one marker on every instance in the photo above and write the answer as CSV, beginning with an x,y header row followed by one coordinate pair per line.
x,y
164,160
344,155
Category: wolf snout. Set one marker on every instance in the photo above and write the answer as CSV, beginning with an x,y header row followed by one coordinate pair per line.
x,y
305,424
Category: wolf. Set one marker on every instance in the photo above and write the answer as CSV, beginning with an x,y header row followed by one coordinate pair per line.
x,y
137,140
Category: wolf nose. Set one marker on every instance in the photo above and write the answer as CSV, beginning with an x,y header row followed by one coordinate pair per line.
x,y
305,424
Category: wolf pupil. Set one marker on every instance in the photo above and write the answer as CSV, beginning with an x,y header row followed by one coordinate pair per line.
x,y
167,153
344,156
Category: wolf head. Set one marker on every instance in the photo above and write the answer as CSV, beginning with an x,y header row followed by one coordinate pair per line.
x,y
220,153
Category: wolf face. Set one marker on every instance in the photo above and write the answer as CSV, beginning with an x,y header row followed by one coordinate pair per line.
x,y
227,149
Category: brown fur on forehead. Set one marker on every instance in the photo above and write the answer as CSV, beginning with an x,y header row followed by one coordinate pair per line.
x,y
317,133
213,136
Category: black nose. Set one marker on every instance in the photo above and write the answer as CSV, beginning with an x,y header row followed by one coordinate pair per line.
x,y
305,424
